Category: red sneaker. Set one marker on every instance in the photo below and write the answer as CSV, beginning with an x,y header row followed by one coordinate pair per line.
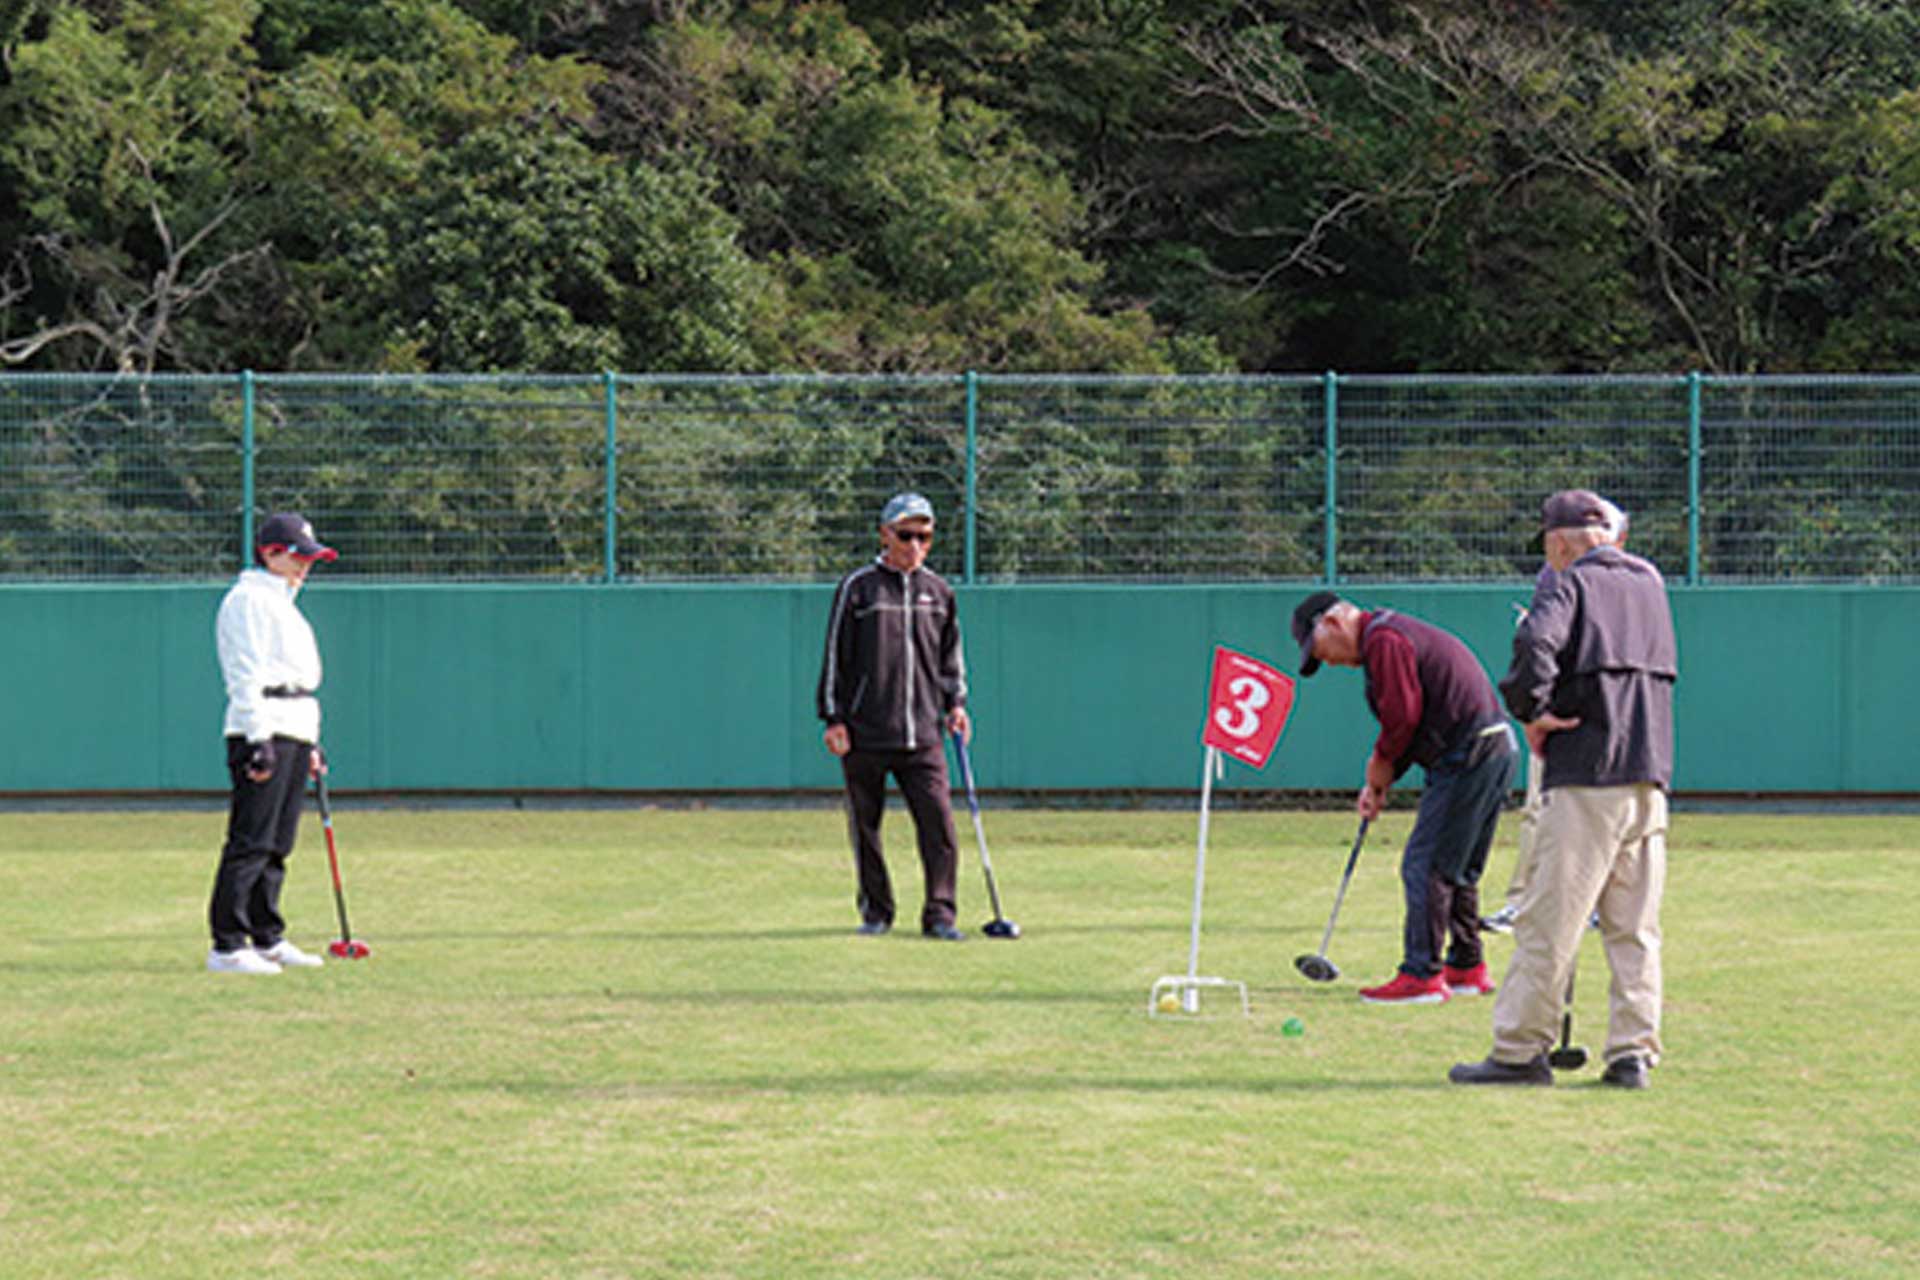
x,y
1467,982
1407,989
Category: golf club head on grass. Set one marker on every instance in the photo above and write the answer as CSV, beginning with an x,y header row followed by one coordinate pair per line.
x,y
1568,1059
345,950
1000,929
1316,967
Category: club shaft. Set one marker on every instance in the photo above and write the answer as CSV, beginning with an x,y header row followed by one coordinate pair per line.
x,y
1340,895
979,827
1566,1013
333,856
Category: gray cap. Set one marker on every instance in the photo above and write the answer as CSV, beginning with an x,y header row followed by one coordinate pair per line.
x,y
905,506
1577,509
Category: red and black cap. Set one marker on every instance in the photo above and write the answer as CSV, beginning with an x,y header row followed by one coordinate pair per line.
x,y
286,529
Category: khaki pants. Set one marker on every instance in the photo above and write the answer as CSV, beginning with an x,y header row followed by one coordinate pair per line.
x,y
1529,827
1603,847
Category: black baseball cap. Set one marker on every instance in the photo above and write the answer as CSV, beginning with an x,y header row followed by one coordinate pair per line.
x,y
1305,615
286,529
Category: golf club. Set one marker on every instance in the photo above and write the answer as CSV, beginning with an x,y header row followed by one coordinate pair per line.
x,y
1568,1056
346,948
999,926
1317,966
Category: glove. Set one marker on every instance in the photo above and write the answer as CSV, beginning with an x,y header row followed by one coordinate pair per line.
x,y
261,757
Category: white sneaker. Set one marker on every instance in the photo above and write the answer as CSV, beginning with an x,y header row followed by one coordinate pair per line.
x,y
292,957
1500,921
248,961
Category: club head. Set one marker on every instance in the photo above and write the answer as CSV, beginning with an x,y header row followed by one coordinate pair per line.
x,y
345,950
1317,967
1571,1058
1000,929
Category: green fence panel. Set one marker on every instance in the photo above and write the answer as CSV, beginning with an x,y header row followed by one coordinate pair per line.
x,y
699,687
614,478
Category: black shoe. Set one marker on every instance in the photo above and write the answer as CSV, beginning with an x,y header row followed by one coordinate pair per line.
x,y
1533,1071
1628,1071
875,927
943,932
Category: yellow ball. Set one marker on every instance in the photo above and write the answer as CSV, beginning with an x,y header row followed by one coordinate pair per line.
x,y
1169,1003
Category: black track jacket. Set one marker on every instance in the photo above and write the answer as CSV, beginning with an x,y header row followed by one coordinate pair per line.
x,y
893,666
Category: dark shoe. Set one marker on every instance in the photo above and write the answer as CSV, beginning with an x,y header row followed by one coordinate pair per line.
x,y
943,932
1534,1071
875,927
1628,1071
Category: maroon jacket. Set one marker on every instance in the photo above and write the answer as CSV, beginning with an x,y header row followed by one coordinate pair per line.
x,y
1426,688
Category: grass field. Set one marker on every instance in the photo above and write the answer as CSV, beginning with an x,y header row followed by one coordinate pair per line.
x,y
648,1043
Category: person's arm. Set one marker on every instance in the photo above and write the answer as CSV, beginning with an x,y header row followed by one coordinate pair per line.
x,y
1538,642
836,666
1394,677
1527,688
1373,791
1398,699
953,672
243,637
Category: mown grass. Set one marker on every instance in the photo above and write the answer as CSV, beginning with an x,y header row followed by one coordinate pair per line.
x,y
648,1043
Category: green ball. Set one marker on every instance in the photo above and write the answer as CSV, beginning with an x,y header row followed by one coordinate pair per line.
x,y
1293,1027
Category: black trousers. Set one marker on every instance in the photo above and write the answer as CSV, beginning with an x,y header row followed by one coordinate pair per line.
x,y
1446,852
922,776
263,820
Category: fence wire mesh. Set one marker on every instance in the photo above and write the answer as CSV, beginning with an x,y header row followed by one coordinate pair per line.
x,y
104,477
647,478
1810,479
1441,477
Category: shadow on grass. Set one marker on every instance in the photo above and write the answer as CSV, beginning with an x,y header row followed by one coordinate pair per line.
x,y
941,1084
902,933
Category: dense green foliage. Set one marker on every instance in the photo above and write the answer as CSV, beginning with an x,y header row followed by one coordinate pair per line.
x,y
868,185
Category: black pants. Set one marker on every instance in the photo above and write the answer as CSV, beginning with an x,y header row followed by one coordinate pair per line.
x,y
262,823
1447,850
922,776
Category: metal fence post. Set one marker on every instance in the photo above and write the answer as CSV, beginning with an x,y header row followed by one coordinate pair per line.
x,y
973,458
1693,478
1330,385
610,519
246,467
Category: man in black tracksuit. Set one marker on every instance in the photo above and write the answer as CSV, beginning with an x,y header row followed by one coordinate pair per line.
x,y
892,683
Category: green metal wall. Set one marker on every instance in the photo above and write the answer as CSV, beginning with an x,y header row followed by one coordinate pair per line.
x,y
115,687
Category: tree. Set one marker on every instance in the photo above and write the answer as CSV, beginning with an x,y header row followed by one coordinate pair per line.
x,y
517,253
1693,166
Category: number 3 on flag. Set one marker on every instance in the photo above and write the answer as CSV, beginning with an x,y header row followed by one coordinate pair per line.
x,y
1247,707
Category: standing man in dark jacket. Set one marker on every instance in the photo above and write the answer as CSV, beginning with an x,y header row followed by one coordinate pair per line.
x,y
1594,664
1436,708
893,682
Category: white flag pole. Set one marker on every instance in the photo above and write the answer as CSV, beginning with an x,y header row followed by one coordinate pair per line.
x,y
1209,763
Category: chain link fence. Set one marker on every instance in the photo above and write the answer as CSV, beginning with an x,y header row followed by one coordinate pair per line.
x,y
1337,478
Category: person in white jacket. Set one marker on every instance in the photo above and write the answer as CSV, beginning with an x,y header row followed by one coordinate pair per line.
x,y
271,666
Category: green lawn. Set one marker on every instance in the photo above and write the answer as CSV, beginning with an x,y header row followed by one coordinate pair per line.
x,y
649,1043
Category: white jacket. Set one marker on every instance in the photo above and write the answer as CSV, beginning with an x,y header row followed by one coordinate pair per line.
x,y
265,643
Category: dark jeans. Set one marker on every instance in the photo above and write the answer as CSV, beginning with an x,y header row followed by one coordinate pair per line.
x,y
1447,851
922,776
263,820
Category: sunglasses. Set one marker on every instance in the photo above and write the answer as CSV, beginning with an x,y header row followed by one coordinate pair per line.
x,y
914,535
